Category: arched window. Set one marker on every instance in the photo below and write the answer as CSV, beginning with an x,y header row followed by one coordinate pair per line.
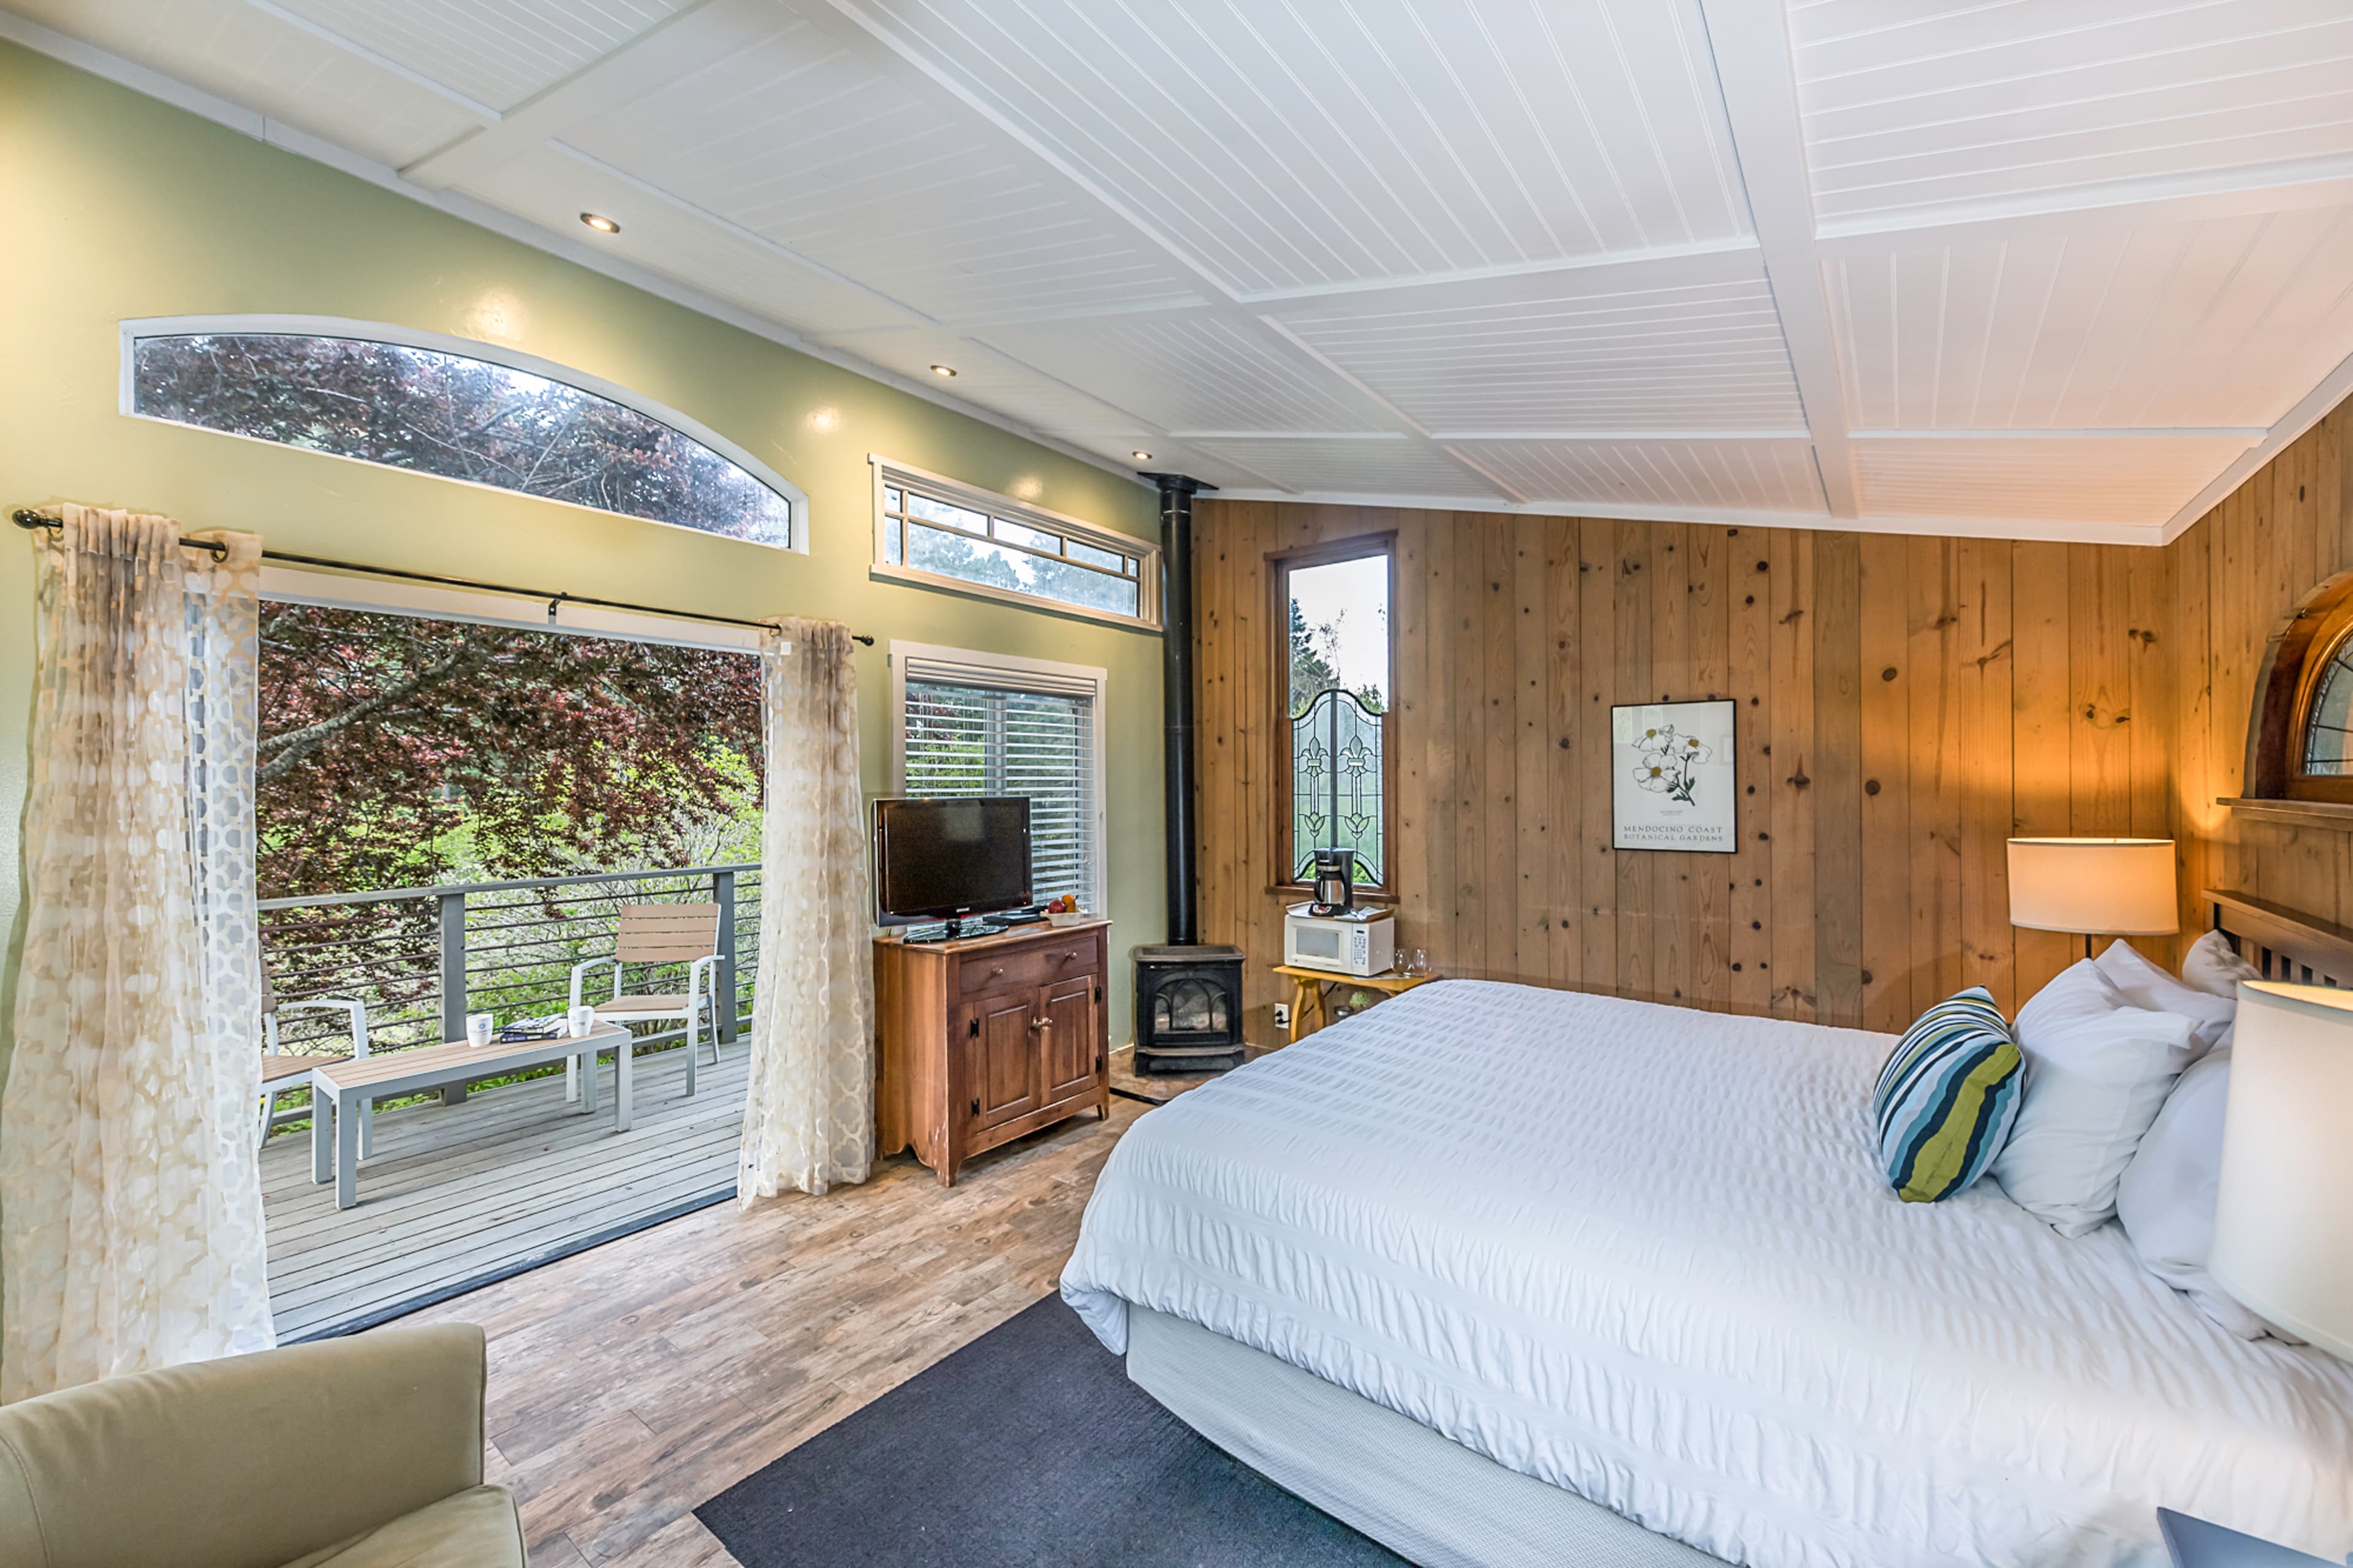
x,y
456,409
2300,738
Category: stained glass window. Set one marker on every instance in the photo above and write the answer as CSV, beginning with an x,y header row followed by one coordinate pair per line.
x,y
441,411
1338,640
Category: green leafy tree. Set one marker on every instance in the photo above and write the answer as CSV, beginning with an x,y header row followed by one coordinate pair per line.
x,y
1311,669
1313,650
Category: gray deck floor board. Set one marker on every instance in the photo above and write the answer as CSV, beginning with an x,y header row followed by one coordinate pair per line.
x,y
455,1194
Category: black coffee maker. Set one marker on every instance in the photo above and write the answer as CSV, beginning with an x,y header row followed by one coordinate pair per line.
x,y
1335,882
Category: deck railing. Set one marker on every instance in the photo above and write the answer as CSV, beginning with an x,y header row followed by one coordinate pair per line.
x,y
423,958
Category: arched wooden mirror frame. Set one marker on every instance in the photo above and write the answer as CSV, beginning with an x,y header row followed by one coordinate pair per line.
x,y
2309,645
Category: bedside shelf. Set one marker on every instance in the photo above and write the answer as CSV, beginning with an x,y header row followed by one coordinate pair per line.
x,y
2291,812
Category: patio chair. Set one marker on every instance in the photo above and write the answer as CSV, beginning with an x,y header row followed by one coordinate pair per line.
x,y
660,933
284,1072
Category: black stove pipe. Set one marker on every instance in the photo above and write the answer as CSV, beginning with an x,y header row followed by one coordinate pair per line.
x,y
1176,492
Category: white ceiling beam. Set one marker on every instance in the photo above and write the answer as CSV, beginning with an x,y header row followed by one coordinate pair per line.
x,y
1223,298
2334,388
916,321
383,62
1621,435
1750,40
2061,532
1420,431
1510,491
2122,204
682,43
1655,267
1289,435
139,79
902,48
2117,433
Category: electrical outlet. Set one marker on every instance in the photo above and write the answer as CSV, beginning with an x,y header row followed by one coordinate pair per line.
x,y
1283,1014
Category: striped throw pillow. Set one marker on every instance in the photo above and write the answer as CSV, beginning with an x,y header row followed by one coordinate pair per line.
x,y
1947,1098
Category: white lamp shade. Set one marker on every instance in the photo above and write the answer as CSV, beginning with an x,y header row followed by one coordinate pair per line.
x,y
2118,886
2282,1233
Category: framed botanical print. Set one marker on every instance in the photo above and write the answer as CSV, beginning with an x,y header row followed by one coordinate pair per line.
x,y
1674,777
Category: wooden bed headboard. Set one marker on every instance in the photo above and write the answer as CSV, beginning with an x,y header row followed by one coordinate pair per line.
x,y
2285,944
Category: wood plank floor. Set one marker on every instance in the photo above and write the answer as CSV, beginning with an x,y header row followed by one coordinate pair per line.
x,y
457,1193
631,1381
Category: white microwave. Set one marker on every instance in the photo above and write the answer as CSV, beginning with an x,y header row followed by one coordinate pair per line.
x,y
1362,941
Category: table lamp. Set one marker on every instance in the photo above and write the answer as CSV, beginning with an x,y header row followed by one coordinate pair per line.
x,y
2115,887
2282,1243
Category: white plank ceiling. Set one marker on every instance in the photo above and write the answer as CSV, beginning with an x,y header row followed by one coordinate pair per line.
x,y
2053,269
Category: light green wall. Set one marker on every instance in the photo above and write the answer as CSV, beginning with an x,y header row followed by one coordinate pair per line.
x,y
121,206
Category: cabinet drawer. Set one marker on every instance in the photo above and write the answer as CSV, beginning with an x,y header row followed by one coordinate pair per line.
x,y
1026,967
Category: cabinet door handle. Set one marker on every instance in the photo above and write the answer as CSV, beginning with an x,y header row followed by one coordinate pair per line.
x,y
996,972
976,1105
1041,1023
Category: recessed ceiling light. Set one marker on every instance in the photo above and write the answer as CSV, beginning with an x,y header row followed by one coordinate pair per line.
x,y
1141,457
943,370
600,222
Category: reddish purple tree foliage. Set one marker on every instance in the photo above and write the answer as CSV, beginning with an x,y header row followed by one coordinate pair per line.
x,y
380,734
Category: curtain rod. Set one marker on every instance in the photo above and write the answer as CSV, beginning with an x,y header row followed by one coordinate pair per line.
x,y
26,518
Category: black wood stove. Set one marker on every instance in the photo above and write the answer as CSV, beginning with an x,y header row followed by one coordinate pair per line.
x,y
1188,1008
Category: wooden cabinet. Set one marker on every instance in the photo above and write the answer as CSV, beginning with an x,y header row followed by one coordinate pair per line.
x,y
999,1047
978,1042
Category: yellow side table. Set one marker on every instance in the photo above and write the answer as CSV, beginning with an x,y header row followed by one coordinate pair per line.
x,y
1309,988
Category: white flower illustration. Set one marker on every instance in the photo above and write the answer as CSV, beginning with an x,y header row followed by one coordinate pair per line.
x,y
1670,762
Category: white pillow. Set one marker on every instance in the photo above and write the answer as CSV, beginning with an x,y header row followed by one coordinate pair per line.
x,y
2211,965
2166,1199
2097,1073
2144,984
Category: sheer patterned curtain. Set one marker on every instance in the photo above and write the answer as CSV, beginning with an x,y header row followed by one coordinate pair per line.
x,y
130,1200
809,1120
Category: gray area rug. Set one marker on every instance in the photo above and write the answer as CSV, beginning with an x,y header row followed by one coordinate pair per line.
x,y
1030,1447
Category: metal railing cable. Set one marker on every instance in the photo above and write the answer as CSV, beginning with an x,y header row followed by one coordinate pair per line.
x,y
423,958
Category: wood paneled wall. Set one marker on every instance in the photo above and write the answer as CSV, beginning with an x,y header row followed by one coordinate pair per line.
x,y
1905,705
2238,573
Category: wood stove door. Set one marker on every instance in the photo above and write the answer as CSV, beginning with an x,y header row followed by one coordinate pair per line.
x,y
1072,1055
998,1035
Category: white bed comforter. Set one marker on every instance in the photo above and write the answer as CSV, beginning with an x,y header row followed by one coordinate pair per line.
x,y
1644,1253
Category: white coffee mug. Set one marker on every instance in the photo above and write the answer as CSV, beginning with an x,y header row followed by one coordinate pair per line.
x,y
583,1021
479,1026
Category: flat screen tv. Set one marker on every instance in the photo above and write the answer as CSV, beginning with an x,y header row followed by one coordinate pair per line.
x,y
942,859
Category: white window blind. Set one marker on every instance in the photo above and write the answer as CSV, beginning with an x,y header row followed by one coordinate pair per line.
x,y
972,729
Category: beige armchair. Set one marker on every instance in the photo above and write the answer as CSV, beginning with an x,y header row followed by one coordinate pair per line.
x,y
364,1452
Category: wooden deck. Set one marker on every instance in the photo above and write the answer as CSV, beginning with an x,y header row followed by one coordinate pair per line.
x,y
458,1196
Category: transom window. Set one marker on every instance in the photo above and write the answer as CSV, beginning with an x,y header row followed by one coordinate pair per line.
x,y
935,530
2329,721
2300,735
455,409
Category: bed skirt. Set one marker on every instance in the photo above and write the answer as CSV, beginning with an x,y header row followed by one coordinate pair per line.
x,y
1423,1495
